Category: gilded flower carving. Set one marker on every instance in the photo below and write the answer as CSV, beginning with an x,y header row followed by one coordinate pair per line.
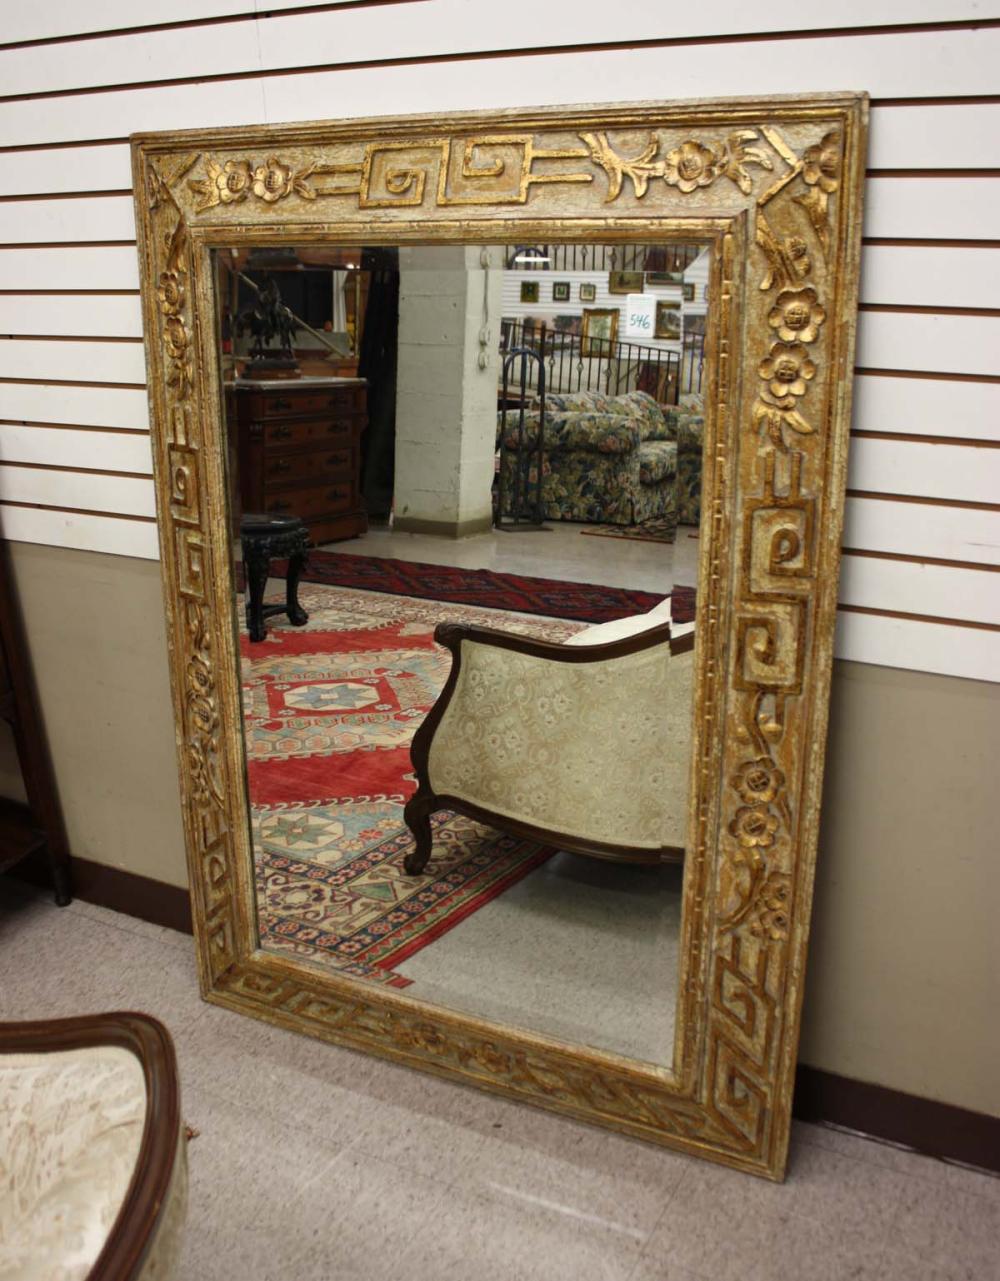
x,y
754,826
170,291
272,180
758,782
423,1036
797,315
821,163
821,174
787,370
175,336
232,181
490,1058
687,167
691,165
772,907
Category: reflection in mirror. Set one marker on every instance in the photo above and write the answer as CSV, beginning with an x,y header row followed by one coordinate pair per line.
x,y
506,441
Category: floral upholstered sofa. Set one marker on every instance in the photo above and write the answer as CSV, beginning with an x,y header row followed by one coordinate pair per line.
x,y
607,459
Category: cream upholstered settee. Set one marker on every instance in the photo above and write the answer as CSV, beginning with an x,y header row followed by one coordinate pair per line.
x,y
584,744
93,1166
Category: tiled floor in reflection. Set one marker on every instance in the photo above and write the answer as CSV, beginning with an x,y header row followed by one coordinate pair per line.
x,y
315,1163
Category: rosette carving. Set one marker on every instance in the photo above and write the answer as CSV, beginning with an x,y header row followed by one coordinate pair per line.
x,y
688,167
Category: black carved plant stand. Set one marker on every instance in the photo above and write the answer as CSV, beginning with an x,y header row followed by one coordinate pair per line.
x,y
264,538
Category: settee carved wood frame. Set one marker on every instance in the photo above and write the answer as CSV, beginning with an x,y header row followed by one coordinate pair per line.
x,y
775,187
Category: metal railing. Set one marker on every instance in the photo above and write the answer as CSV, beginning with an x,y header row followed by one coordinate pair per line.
x,y
608,367
666,258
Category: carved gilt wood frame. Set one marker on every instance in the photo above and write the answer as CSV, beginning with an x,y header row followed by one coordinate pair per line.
x,y
775,187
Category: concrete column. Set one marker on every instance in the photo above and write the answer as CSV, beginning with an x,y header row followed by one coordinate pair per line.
x,y
445,403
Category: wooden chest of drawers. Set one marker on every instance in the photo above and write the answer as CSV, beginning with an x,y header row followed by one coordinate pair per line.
x,y
298,448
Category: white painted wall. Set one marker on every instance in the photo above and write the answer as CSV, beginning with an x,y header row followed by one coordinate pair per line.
x,y
445,403
924,473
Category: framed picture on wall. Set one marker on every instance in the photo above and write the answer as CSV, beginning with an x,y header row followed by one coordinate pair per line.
x,y
560,291
694,323
625,282
704,291
664,277
600,331
529,291
688,294
668,320
588,293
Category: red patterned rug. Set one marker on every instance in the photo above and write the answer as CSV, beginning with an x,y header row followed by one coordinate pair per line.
x,y
484,588
330,709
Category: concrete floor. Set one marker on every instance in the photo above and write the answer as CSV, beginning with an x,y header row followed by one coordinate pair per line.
x,y
563,552
315,1163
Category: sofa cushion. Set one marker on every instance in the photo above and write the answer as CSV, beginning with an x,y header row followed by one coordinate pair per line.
x,y
575,402
588,432
657,461
642,406
619,628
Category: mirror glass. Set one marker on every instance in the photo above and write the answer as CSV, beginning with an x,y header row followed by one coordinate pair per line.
x,y
507,437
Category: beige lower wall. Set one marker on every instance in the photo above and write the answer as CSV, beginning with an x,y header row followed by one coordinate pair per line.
x,y
98,645
903,984
904,966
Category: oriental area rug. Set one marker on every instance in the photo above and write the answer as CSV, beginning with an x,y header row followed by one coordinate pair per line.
x,y
330,710
481,588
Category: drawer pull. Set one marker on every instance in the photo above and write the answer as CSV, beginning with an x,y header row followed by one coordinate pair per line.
x,y
282,433
279,505
334,459
336,493
282,464
281,403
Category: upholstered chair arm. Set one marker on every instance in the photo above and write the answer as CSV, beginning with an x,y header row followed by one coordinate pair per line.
x,y
569,738
91,1132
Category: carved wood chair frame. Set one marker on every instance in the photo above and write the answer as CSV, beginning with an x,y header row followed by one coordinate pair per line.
x,y
774,186
425,801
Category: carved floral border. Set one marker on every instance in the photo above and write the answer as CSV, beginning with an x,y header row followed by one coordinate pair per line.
x,y
776,464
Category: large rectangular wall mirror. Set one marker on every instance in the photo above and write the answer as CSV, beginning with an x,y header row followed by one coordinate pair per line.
x,y
500,465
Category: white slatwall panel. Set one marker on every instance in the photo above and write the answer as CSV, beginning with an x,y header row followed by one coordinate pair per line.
x,y
94,450
82,532
79,267
941,591
905,275
45,331
67,17
119,495
927,407
103,168
418,30
116,316
935,63
964,473
926,647
73,361
949,344
75,406
918,529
